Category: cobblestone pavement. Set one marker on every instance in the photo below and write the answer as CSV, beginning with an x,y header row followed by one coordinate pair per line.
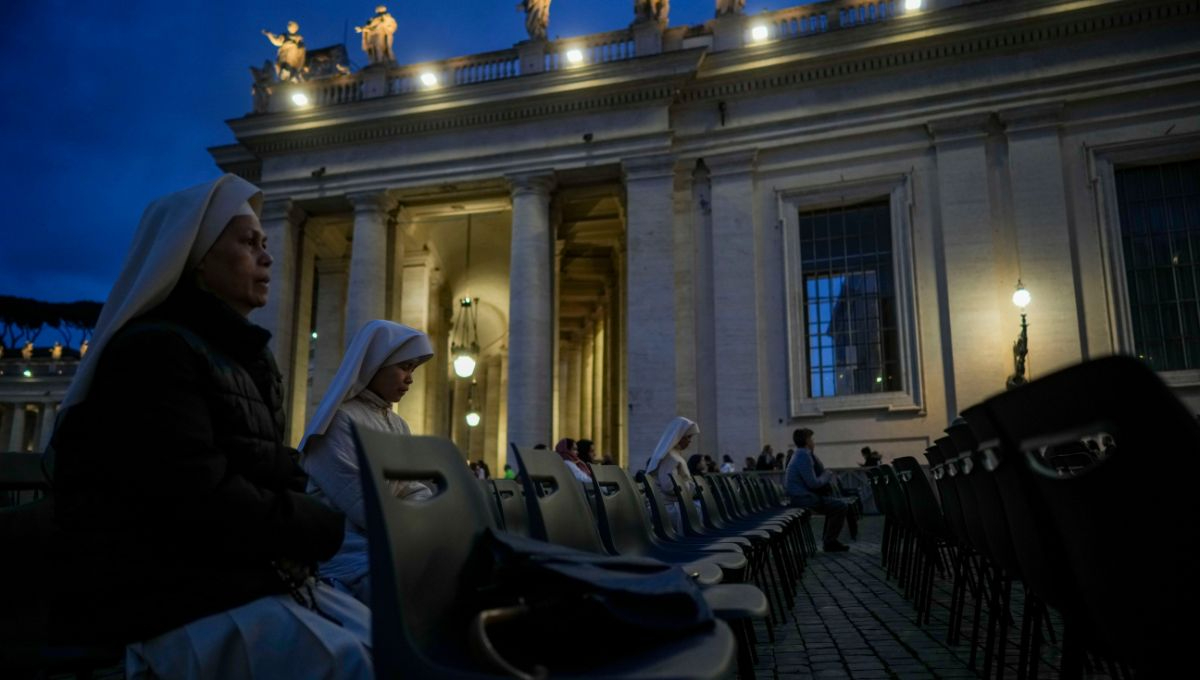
x,y
851,621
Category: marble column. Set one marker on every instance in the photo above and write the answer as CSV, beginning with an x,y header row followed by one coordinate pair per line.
x,y
650,303
331,302
298,396
415,311
282,223
46,423
491,416
531,312
396,232
570,427
502,435
366,293
16,436
1043,237
974,341
736,271
587,390
599,405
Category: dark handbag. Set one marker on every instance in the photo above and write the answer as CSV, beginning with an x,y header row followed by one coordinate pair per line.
x,y
535,591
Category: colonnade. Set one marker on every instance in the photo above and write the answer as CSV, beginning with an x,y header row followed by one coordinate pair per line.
x,y
27,425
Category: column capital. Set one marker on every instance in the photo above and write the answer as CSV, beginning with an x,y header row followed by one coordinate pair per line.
x,y
379,200
957,129
1037,118
282,208
537,182
649,167
731,163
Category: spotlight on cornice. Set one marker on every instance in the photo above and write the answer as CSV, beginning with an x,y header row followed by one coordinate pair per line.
x,y
429,79
759,33
299,99
575,56
913,5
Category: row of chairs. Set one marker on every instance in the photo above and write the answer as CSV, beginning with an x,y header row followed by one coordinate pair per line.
x,y
1107,543
731,544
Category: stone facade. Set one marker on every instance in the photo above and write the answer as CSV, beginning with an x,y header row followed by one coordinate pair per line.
x,y
636,240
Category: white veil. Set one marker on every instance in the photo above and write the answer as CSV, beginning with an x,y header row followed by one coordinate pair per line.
x,y
176,231
677,429
377,344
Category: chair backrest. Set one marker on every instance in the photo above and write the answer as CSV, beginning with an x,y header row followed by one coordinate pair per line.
x,y
659,519
511,499
710,506
419,550
21,474
951,504
693,523
623,522
558,508
973,475
1135,594
926,512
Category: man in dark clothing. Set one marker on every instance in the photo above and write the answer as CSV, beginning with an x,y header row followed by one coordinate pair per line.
x,y
808,485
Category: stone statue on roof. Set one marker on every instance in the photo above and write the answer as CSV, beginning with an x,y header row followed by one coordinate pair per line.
x,y
27,351
56,351
730,7
289,58
651,10
377,37
537,17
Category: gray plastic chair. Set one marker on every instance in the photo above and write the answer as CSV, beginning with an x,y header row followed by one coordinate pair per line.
x,y
419,553
511,498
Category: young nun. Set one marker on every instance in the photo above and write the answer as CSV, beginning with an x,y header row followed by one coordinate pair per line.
x,y
186,534
376,372
668,460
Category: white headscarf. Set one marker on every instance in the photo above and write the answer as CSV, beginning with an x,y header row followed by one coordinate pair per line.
x,y
175,233
677,429
377,344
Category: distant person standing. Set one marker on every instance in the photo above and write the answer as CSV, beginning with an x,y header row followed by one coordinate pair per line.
x,y
727,465
766,459
871,458
809,485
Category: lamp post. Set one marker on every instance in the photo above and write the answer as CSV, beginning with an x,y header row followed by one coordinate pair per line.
x,y
465,349
1021,298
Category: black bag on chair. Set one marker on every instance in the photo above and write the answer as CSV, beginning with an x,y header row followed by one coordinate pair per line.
x,y
535,592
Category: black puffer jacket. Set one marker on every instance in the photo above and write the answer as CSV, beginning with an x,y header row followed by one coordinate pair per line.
x,y
174,493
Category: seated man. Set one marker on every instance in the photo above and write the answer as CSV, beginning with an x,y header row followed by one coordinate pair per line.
x,y
809,485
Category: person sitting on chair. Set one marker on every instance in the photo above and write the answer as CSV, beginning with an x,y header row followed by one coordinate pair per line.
x,y
569,452
809,485
375,374
668,460
186,533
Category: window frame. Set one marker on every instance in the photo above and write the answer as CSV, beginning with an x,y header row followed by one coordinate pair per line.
x,y
1105,160
897,189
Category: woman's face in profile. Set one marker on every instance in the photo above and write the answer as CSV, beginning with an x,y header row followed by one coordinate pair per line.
x,y
391,382
237,268
684,442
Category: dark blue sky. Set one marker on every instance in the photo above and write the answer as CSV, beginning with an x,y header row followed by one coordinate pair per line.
x,y
106,105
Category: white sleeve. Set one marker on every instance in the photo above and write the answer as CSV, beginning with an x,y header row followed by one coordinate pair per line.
x,y
332,466
579,474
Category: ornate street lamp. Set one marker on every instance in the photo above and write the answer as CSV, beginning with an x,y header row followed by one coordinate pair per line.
x,y
472,412
465,349
1021,298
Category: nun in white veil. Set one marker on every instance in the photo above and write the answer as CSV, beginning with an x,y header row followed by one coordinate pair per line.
x,y
185,532
375,374
668,460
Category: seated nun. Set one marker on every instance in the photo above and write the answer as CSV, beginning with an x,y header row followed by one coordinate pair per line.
x,y
668,460
375,374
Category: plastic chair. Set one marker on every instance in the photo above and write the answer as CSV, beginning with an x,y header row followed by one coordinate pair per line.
x,y
1134,596
511,499
420,564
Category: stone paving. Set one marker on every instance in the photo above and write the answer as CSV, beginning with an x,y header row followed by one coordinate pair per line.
x,y
851,621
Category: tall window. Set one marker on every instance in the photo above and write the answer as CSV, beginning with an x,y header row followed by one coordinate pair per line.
x,y
849,300
1160,236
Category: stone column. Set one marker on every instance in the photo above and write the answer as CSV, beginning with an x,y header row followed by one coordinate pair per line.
x,y
281,222
397,230
531,313
491,416
331,302
599,401
650,304
16,436
298,396
736,270
46,423
587,388
1043,237
415,311
974,342
574,362
366,293
502,436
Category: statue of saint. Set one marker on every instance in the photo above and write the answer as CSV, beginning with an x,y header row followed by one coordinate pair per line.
x,y
289,58
56,351
83,346
651,10
537,17
261,89
377,36
730,7
27,350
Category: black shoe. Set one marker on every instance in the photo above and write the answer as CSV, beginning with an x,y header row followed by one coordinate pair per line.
x,y
835,546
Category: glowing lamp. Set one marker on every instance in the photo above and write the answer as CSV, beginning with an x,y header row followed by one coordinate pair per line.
x,y
428,79
299,99
759,33
575,56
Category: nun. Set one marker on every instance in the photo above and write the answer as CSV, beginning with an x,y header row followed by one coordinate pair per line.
x,y
668,460
186,535
375,374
